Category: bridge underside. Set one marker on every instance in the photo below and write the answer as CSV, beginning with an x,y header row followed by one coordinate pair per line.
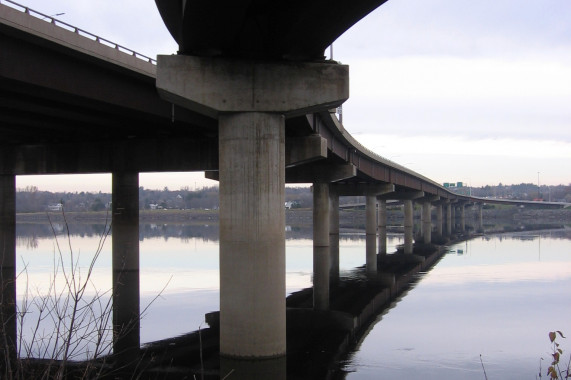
x,y
297,30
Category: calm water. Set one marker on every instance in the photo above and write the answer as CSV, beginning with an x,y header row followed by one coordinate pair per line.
x,y
496,296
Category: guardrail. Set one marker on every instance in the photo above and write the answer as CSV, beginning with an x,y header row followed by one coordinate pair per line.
x,y
77,30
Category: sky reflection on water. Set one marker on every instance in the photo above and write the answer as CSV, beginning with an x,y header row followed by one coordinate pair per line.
x,y
497,296
500,298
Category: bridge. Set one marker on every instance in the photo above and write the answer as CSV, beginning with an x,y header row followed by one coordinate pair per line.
x,y
251,106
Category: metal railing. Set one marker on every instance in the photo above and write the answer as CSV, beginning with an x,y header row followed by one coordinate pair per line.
x,y
81,32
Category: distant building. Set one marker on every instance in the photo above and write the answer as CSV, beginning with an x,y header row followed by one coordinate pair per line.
x,y
291,204
56,207
459,188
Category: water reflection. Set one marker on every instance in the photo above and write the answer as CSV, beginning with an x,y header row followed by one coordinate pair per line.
x,y
495,295
492,296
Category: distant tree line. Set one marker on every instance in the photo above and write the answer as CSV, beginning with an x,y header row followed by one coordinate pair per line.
x,y
31,199
525,191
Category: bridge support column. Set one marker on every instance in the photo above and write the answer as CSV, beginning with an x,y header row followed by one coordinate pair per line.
x,y
480,217
371,234
334,232
251,100
426,222
252,234
453,217
439,220
448,219
462,217
125,252
321,254
8,321
408,224
382,225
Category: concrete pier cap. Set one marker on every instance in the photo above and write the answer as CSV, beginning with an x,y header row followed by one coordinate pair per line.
x,y
211,86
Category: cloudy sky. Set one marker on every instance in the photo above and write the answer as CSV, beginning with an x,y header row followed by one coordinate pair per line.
x,y
457,90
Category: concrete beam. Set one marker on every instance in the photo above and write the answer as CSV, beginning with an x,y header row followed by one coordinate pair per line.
x,y
403,195
104,157
429,198
212,86
301,150
46,34
359,189
320,172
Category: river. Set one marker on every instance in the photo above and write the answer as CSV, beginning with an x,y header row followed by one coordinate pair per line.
x,y
488,305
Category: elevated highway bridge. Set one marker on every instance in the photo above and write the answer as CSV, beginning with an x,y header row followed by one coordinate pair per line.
x,y
247,100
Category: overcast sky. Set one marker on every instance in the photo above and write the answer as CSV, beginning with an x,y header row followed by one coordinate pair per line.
x,y
457,90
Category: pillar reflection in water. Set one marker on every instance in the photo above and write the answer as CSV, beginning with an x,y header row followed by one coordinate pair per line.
x,y
233,369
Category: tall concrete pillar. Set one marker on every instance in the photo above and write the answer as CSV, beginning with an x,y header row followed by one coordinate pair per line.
x,y
251,100
439,220
480,217
417,226
426,222
382,226
408,224
321,255
8,321
449,209
125,252
252,234
453,213
371,233
334,232
462,217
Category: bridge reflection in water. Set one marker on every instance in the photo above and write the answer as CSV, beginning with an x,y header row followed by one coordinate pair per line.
x,y
315,338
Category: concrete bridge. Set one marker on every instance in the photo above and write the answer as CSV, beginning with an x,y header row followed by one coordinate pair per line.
x,y
250,106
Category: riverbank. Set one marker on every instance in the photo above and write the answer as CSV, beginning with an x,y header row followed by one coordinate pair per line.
x,y
299,217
